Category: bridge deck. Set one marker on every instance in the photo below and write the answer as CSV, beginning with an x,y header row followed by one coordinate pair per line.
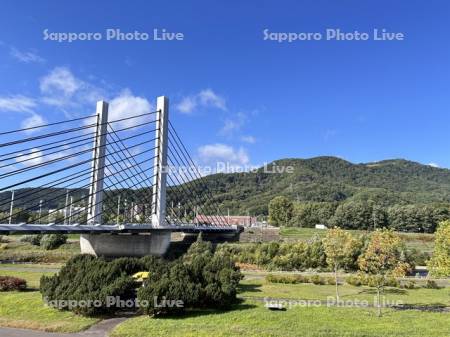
x,y
122,228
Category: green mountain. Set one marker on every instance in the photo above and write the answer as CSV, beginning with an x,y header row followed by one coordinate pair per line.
x,y
386,182
328,179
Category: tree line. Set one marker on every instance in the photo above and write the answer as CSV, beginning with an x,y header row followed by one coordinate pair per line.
x,y
363,215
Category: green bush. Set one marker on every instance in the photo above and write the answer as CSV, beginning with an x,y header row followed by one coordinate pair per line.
x,y
292,256
287,279
35,240
10,283
409,285
295,279
202,278
354,280
87,278
316,279
52,241
431,284
361,279
330,280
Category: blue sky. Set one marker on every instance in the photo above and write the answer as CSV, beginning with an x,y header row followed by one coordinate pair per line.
x,y
235,96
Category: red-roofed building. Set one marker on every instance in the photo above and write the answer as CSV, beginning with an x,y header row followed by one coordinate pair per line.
x,y
240,220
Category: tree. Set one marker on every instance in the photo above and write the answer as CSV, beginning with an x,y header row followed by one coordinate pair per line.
x,y
383,258
353,215
439,263
280,211
309,214
338,246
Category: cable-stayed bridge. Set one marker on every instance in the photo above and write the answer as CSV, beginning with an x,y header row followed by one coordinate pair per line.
x,y
123,183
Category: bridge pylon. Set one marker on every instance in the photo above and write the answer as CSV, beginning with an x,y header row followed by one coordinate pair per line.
x,y
95,203
160,163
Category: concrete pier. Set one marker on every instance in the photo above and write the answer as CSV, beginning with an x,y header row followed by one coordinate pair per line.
x,y
117,245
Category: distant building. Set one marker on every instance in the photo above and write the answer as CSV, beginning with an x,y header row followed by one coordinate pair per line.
x,y
240,220
320,226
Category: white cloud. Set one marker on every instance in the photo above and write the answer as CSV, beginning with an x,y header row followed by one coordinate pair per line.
x,y
187,105
248,139
233,124
328,134
32,121
433,165
60,81
62,89
17,103
33,157
126,105
26,56
223,153
206,98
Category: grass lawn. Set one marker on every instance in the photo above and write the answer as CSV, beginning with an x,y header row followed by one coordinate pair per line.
x,y
251,319
26,309
260,289
420,241
26,252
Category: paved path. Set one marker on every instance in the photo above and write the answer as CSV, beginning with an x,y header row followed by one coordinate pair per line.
x,y
101,329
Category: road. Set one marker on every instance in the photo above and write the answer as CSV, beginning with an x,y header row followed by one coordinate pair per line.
x,y
100,329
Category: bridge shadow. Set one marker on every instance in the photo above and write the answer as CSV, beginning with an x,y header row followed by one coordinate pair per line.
x,y
252,288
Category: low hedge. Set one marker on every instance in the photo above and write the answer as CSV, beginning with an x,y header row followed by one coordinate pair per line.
x,y
10,283
296,279
361,279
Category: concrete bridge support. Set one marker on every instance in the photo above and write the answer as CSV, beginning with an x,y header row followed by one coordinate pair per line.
x,y
117,245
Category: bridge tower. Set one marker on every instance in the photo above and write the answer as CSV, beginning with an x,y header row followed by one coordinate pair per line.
x,y
160,163
115,245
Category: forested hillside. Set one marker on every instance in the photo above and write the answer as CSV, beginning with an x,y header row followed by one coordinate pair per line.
x,y
331,179
323,190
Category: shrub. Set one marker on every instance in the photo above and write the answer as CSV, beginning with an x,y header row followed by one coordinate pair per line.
x,y
9,283
330,280
316,279
431,284
87,278
354,280
202,278
409,285
360,279
35,240
53,241
287,279
295,279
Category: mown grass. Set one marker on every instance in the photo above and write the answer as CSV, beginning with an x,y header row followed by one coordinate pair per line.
x,y
251,319
261,288
26,309
26,252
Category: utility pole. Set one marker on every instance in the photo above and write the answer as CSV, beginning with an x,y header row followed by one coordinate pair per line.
x,y
70,210
65,207
118,210
40,211
11,207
